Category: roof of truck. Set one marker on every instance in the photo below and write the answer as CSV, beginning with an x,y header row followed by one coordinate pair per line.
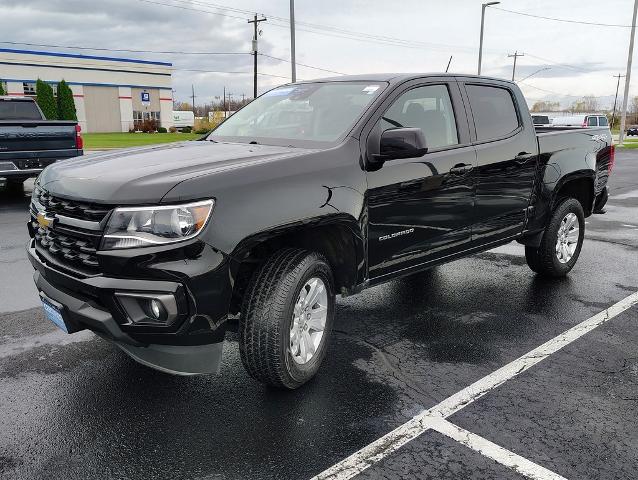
x,y
398,77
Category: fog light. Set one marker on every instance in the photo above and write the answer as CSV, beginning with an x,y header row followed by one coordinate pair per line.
x,y
148,308
156,309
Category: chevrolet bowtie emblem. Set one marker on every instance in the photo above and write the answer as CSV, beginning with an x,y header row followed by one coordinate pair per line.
x,y
44,221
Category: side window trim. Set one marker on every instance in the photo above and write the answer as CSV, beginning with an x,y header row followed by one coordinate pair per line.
x,y
517,109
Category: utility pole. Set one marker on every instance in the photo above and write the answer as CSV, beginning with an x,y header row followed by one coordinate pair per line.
x,y
224,102
193,96
483,7
613,115
515,55
292,41
623,115
255,22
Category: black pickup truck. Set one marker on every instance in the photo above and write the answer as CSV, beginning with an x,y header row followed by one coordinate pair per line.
x,y
29,142
313,189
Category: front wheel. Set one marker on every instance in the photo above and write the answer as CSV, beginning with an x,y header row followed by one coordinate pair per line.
x,y
286,318
561,242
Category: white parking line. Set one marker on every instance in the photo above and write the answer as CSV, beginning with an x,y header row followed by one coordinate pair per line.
x,y
495,452
389,443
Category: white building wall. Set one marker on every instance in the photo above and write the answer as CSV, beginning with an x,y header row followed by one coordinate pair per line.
x,y
166,108
126,108
97,71
78,99
80,72
15,88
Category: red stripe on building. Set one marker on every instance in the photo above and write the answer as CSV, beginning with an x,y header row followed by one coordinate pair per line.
x,y
126,98
78,95
166,99
16,94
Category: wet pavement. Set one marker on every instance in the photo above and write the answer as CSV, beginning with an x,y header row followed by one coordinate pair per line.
x,y
76,407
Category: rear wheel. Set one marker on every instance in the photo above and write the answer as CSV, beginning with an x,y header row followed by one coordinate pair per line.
x,y
561,242
286,318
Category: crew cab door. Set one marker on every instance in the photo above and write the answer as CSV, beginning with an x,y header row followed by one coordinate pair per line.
x,y
420,209
507,159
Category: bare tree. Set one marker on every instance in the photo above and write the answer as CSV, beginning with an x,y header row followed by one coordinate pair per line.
x,y
545,106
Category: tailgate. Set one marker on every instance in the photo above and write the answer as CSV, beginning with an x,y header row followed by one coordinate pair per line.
x,y
34,136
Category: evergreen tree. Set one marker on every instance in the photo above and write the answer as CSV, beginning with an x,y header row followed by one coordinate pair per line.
x,y
1,89
45,99
66,105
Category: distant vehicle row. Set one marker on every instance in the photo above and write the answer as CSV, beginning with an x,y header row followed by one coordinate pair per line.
x,y
582,120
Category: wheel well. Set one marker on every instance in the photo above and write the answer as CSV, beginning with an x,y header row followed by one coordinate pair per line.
x,y
582,189
337,243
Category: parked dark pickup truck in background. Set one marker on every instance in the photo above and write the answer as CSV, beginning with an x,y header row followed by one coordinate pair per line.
x,y
29,142
313,189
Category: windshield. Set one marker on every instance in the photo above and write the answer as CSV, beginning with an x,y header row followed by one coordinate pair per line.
x,y
19,110
317,112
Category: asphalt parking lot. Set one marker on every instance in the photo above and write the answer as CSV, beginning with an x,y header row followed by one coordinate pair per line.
x,y
451,342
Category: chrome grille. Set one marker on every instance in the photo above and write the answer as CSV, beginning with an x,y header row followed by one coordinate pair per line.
x,y
65,243
70,208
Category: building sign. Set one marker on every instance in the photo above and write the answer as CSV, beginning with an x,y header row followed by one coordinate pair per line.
x,y
146,98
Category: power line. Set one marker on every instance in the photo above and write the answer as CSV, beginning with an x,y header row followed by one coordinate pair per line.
x,y
102,49
197,70
326,30
566,65
302,64
75,47
554,93
563,20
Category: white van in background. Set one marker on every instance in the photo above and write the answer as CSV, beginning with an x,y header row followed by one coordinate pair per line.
x,y
583,120
183,119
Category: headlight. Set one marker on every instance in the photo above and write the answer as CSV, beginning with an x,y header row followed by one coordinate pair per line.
x,y
147,226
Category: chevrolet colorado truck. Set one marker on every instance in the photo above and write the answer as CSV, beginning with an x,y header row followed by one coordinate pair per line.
x,y
312,190
29,142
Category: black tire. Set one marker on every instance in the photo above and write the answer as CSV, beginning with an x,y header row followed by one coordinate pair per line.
x,y
267,314
544,259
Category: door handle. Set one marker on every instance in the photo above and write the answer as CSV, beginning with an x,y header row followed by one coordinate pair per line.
x,y
523,157
461,169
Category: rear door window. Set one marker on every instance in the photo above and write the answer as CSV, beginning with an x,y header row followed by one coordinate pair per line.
x,y
592,121
602,122
493,110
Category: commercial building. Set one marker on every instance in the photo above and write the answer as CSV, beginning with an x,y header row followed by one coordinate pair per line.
x,y
111,94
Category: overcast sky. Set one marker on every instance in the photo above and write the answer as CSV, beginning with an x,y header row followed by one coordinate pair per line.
x,y
579,59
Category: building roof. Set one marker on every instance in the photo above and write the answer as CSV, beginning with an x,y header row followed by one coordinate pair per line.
x,y
90,57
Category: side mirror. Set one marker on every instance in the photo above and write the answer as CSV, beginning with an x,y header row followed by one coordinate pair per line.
x,y
400,143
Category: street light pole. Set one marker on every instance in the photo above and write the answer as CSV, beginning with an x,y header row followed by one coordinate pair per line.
x,y
483,7
623,115
292,41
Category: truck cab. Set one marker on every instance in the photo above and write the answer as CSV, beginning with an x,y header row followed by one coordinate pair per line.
x,y
259,225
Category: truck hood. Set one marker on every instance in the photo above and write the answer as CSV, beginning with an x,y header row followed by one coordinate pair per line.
x,y
145,175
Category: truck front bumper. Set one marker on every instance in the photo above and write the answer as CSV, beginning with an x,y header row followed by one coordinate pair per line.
x,y
192,345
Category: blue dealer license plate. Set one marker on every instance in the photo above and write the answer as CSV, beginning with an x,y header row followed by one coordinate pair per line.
x,y
54,314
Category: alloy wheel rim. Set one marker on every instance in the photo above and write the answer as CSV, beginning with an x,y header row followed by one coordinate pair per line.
x,y
567,239
308,321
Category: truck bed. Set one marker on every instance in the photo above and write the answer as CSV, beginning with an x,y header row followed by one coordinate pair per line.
x,y
579,143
